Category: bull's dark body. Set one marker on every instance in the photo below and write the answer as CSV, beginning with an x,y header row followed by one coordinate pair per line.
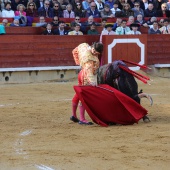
x,y
116,77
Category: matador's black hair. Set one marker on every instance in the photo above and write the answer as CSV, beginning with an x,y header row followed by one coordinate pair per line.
x,y
98,47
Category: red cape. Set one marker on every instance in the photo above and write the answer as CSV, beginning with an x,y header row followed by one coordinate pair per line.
x,y
105,105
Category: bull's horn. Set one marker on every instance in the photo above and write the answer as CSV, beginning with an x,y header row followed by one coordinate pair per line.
x,y
141,95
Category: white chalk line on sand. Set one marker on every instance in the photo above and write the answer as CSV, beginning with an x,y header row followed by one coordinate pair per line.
x,y
5,105
25,133
18,145
43,167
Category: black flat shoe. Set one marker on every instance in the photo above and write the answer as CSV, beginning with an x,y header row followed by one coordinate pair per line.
x,y
74,119
85,123
146,119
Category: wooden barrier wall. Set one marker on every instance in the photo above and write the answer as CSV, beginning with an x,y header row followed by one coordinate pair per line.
x,y
127,47
39,50
158,49
42,50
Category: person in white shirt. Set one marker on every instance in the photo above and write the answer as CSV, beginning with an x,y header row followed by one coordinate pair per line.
x,y
166,28
76,30
7,12
108,31
123,29
134,31
115,8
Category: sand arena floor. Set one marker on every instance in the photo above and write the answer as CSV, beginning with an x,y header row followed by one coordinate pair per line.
x,y
36,133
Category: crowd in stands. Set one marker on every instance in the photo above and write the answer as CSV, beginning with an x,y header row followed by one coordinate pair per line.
x,y
130,16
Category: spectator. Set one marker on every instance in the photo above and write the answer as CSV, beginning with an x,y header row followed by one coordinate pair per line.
x,y
79,11
166,28
150,22
92,30
141,21
2,4
121,3
115,9
111,3
48,30
146,3
28,2
126,11
52,2
39,3
86,4
131,20
92,11
20,10
16,23
14,4
108,31
68,13
117,24
61,29
77,20
106,12
158,3
123,29
137,10
20,14
161,22
8,12
63,4
164,12
2,29
100,5
32,10
150,11
5,22
132,3
168,5
76,30
23,2
55,21
155,29
46,11
57,10
42,22
103,23
73,3
89,21
134,29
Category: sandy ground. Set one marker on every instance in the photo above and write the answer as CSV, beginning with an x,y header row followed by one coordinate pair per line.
x,y
36,133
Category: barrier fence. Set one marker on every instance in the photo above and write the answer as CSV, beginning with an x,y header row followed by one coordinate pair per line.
x,y
41,50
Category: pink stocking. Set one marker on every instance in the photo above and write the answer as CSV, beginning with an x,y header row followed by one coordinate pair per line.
x,y
82,113
75,102
74,109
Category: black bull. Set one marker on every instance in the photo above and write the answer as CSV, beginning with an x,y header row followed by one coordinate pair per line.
x,y
118,78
